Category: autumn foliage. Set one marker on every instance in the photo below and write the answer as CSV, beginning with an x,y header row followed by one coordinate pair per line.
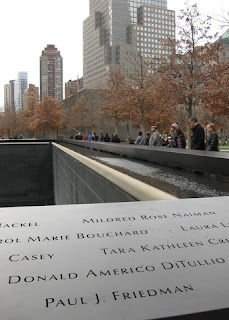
x,y
44,116
117,106
84,115
48,115
133,99
8,122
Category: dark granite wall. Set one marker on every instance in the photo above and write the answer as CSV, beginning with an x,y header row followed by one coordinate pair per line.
x,y
26,174
75,183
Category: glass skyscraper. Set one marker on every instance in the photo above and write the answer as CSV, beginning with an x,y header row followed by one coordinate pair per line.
x,y
20,86
117,28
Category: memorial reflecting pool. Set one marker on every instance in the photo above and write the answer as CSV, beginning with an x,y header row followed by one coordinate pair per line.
x,y
47,173
178,182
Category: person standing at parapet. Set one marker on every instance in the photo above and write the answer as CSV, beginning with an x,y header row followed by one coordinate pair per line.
x,y
140,139
155,140
212,143
198,135
147,139
107,138
173,130
90,137
178,139
95,137
80,137
181,140
101,139
115,138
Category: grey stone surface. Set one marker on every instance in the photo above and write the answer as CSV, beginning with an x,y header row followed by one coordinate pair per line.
x,y
209,315
201,161
26,174
75,183
132,261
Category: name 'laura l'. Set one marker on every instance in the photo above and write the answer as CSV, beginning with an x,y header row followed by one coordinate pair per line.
x,y
205,227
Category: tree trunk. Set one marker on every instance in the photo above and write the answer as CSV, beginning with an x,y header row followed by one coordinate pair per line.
x,y
116,125
143,122
223,138
128,129
189,114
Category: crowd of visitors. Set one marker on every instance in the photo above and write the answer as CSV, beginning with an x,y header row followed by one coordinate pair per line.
x,y
15,137
174,139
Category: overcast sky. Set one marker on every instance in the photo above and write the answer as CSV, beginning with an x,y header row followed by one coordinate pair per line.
x,y
26,27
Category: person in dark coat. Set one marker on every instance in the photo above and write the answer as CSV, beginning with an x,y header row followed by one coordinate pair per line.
x,y
95,137
80,137
212,143
198,135
107,138
180,139
115,138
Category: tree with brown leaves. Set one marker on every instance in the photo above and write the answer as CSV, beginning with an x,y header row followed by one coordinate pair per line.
x,y
116,107
27,115
48,116
140,92
131,97
193,68
218,99
9,122
84,116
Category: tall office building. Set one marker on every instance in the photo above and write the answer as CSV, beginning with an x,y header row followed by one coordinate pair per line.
x,y
6,96
72,87
117,29
12,94
9,95
51,73
21,84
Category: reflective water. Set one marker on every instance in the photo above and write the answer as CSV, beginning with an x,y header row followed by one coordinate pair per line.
x,y
179,182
